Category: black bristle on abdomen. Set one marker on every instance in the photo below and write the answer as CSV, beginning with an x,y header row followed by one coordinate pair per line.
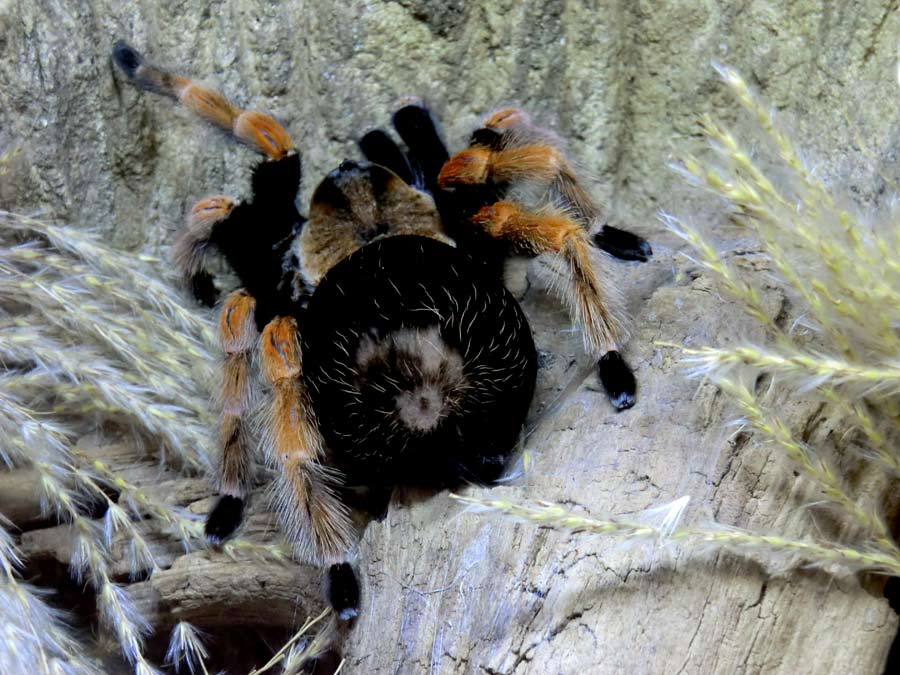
x,y
421,365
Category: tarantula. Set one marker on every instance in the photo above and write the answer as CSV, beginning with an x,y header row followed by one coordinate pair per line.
x,y
393,353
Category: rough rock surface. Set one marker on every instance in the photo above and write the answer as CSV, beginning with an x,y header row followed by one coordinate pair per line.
x,y
625,81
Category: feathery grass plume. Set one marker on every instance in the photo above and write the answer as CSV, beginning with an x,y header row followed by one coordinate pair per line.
x,y
90,562
843,274
140,352
299,652
33,634
186,647
90,335
641,527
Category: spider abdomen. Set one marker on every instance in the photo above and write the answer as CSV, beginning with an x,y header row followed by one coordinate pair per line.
x,y
421,365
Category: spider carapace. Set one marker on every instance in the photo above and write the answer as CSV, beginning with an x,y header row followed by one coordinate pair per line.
x,y
392,352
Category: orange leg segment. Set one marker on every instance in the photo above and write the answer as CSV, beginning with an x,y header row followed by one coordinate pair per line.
x,y
309,509
256,129
582,291
237,335
192,245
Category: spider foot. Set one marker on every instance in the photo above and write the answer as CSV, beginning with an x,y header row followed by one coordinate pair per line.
x,y
622,244
618,380
343,591
224,519
127,58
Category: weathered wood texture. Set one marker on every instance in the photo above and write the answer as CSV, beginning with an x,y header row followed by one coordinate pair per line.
x,y
447,592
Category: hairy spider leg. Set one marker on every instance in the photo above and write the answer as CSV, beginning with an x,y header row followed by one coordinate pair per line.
x,y
254,236
193,248
256,239
416,125
256,129
510,150
513,127
307,501
581,289
480,164
379,148
238,337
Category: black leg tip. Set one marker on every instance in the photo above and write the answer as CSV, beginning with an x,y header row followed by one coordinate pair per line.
x,y
622,401
343,591
618,380
622,244
127,58
224,519
413,111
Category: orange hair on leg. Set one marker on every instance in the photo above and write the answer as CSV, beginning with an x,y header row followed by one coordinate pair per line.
x,y
507,118
191,245
312,515
237,336
528,232
581,289
209,104
537,161
264,133
253,128
469,167
478,164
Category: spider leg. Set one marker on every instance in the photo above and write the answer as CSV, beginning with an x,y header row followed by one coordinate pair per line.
x,y
194,245
479,164
417,127
270,217
343,590
581,287
253,128
623,244
379,148
238,335
510,148
312,514
309,508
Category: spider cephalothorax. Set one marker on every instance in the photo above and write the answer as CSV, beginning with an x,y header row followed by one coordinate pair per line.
x,y
393,353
